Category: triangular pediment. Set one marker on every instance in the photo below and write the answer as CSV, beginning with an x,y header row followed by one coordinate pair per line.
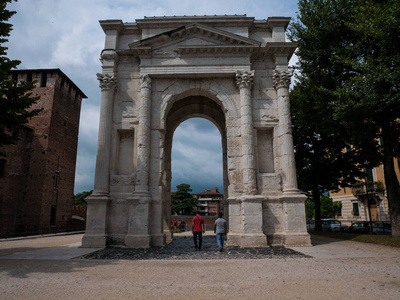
x,y
196,38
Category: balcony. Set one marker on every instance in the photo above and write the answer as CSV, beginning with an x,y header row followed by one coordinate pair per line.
x,y
361,188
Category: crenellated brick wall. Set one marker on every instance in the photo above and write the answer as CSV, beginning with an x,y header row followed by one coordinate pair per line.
x,y
38,174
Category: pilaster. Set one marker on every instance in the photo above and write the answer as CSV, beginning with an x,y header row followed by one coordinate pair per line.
x,y
139,203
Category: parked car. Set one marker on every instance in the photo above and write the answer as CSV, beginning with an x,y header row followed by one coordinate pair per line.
x,y
332,225
310,224
365,227
359,227
382,228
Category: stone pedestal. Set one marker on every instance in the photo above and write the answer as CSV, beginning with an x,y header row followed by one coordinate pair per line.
x,y
246,220
138,222
295,221
95,235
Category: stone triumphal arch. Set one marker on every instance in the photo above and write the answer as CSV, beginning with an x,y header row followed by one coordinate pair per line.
x,y
160,71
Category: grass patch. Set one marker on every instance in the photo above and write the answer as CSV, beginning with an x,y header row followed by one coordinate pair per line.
x,y
386,240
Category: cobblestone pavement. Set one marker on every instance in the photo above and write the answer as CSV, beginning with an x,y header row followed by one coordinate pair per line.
x,y
182,248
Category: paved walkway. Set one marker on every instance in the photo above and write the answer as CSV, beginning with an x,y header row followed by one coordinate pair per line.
x,y
68,247
53,268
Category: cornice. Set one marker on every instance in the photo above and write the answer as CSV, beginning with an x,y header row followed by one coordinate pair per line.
x,y
216,49
278,22
276,48
111,25
191,30
215,20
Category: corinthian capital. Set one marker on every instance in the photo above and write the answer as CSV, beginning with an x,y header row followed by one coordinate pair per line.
x,y
145,81
107,82
244,79
282,78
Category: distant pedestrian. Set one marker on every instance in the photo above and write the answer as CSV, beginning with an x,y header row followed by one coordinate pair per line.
x,y
220,231
198,228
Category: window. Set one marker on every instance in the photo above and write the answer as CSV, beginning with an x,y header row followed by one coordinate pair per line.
x,y
43,80
2,167
356,211
53,215
338,209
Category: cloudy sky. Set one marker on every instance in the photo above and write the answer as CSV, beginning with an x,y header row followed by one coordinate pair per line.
x,y
66,34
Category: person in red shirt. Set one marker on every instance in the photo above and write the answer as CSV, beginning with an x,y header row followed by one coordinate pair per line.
x,y
198,227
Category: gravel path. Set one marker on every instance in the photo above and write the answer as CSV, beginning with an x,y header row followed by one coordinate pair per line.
x,y
373,275
182,248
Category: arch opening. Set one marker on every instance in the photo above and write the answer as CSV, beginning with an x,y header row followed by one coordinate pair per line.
x,y
198,109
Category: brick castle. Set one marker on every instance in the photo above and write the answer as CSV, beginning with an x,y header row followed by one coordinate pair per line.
x,y
37,175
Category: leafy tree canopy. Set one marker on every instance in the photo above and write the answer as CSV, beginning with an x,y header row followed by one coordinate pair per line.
x,y
79,199
349,60
328,208
15,99
182,202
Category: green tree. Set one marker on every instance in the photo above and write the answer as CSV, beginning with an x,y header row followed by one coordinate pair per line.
x,y
310,208
370,95
79,199
328,208
182,202
321,163
15,100
349,52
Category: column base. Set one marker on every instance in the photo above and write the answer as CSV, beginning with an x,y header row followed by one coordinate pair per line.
x,y
289,239
297,240
94,241
137,241
168,236
247,240
158,240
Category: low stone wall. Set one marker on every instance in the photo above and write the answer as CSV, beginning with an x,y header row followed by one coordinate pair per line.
x,y
208,221
79,211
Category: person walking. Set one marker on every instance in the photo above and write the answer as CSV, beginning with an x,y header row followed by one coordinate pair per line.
x,y
198,227
220,230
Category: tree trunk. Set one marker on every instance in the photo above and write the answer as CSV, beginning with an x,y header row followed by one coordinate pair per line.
x,y
393,194
391,182
317,202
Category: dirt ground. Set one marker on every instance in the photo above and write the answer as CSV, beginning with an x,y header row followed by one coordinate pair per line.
x,y
338,269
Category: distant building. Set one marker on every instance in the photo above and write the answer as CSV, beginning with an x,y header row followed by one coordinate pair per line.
x,y
365,201
37,176
210,202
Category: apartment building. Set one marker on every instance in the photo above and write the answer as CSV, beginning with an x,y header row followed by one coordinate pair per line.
x,y
365,201
210,202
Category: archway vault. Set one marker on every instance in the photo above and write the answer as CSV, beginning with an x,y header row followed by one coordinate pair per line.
x,y
180,111
231,70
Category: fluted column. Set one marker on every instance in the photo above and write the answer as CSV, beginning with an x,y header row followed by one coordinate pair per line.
x,y
245,212
244,81
138,235
281,81
108,85
96,227
143,155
